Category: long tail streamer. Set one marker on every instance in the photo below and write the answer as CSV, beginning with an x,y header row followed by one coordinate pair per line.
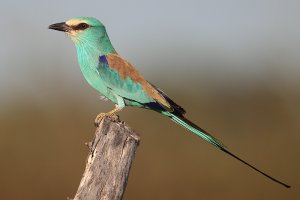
x,y
209,138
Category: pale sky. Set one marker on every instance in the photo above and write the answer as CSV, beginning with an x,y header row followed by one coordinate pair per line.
x,y
191,36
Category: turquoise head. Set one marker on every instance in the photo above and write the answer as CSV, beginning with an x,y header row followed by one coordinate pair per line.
x,y
87,33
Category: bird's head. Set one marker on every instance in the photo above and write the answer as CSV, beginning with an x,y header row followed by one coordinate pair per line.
x,y
87,33
81,29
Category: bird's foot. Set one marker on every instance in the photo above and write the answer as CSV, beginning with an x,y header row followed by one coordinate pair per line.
x,y
100,116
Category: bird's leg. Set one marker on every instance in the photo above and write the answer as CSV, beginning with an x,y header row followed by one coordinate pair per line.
x,y
100,116
120,104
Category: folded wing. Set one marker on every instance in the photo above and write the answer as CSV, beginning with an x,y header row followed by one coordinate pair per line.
x,y
127,82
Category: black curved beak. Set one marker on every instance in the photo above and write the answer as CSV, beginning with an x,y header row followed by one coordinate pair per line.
x,y
60,27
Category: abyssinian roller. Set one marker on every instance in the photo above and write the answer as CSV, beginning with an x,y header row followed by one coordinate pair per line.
x,y
117,79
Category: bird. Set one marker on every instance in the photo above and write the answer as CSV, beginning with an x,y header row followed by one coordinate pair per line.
x,y
119,81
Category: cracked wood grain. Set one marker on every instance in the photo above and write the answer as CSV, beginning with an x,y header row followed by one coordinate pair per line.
x,y
109,162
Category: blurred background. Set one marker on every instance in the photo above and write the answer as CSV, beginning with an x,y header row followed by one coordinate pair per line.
x,y
233,65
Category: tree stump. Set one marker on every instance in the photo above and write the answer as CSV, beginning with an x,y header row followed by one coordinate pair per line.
x,y
109,161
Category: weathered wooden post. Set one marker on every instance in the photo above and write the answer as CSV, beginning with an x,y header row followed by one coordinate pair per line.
x,y
109,162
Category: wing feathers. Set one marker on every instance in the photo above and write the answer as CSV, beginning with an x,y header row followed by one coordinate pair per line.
x,y
125,70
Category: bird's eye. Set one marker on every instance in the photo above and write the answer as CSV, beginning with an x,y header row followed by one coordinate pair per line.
x,y
82,26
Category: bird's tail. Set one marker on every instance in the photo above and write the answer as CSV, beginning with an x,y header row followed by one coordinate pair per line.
x,y
209,138
195,129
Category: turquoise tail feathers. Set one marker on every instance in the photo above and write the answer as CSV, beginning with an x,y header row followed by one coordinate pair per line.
x,y
209,138
195,129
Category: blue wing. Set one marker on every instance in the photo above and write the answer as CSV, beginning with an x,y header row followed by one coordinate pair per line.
x,y
122,86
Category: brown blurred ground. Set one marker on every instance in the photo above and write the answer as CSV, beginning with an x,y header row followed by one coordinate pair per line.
x,y
43,152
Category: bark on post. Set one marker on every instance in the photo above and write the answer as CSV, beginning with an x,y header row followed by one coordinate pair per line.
x,y
109,162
